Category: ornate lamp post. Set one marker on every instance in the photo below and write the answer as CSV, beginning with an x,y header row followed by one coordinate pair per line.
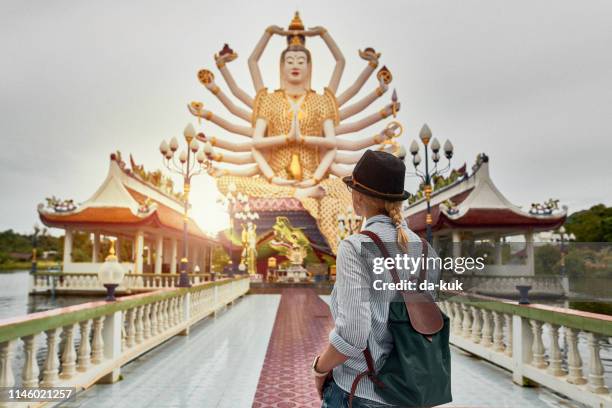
x,y
248,235
562,237
191,162
429,173
111,273
35,235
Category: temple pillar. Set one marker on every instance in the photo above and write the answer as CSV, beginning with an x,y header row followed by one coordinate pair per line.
x,y
67,248
118,248
139,255
436,243
159,253
456,243
149,247
193,251
173,255
210,258
498,249
96,247
529,252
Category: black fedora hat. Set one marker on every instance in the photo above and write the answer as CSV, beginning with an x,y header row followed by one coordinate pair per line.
x,y
379,174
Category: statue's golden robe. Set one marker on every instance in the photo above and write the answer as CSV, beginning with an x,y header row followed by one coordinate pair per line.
x,y
278,113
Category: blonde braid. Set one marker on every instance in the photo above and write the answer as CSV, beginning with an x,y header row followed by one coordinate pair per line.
x,y
394,209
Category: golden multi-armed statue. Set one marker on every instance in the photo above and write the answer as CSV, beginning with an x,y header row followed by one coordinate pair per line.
x,y
293,144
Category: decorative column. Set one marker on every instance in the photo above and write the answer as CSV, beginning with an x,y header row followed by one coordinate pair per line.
x,y
173,257
574,361
67,248
597,382
96,247
456,244
210,258
159,253
139,245
149,250
195,257
529,252
436,243
498,250
7,352
555,359
537,346
118,248
111,342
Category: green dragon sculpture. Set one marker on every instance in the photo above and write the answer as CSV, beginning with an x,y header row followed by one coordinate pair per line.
x,y
290,241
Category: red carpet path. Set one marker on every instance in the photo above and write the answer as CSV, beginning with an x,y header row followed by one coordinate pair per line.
x,y
300,332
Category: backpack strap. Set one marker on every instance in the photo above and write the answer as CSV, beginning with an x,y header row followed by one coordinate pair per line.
x,y
370,373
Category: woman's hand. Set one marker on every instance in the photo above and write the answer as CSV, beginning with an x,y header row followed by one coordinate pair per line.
x,y
320,383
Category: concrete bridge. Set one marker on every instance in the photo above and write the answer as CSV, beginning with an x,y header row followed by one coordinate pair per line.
x,y
212,346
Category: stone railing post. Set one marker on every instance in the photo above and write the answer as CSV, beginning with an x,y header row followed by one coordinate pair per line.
x,y
555,360
597,382
537,349
186,308
216,306
574,361
112,338
30,369
522,339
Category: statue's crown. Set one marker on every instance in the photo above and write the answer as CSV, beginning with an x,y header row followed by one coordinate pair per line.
x,y
296,24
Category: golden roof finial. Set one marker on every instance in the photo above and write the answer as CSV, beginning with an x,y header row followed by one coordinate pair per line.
x,y
296,22
111,252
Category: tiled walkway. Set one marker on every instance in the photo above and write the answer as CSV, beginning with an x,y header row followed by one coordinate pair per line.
x,y
252,356
217,365
302,325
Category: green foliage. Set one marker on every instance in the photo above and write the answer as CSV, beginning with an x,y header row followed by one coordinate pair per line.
x,y
11,241
592,225
547,260
220,259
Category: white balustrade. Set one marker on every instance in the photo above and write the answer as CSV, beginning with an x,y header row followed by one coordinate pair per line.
x,y
486,328
69,356
108,337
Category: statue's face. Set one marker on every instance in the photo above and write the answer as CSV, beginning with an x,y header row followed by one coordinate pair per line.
x,y
295,67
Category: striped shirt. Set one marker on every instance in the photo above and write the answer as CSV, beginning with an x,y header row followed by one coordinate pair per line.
x,y
360,313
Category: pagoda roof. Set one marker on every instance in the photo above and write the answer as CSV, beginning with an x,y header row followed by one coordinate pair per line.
x,y
473,202
124,200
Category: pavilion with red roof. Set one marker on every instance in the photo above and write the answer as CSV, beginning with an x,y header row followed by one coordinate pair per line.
x,y
472,208
136,206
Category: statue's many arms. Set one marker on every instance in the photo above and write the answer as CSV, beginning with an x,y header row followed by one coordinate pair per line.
x,y
293,146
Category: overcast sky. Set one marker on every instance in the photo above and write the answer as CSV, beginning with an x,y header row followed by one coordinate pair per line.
x,y
527,82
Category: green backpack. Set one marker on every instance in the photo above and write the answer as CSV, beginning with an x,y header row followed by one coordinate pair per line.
x,y
417,372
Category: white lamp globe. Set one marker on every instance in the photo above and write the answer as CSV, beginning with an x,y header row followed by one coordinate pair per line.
x,y
174,144
111,272
189,131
